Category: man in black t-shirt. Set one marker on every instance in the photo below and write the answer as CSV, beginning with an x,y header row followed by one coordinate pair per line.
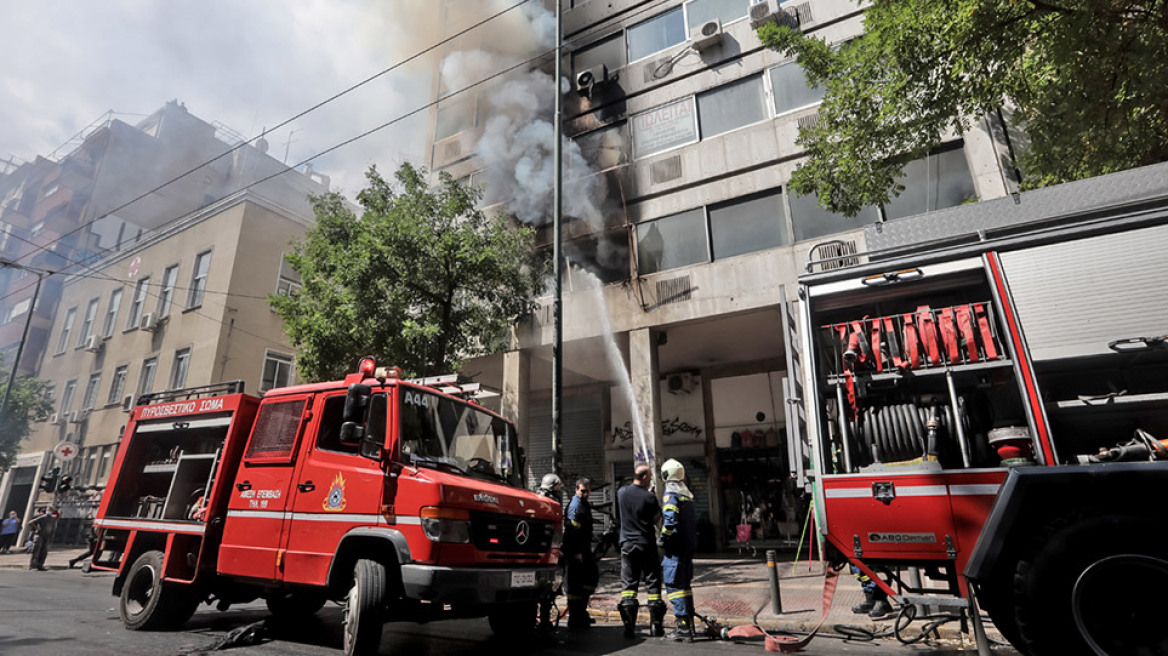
x,y
639,512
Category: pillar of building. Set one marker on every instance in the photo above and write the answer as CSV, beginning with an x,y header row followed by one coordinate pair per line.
x,y
516,392
645,372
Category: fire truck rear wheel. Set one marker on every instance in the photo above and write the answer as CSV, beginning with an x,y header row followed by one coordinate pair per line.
x,y
297,603
515,620
365,608
147,603
1103,577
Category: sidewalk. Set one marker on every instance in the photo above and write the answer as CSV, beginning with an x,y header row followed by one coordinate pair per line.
x,y
58,558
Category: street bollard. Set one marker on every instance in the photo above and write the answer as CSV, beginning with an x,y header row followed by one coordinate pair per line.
x,y
773,571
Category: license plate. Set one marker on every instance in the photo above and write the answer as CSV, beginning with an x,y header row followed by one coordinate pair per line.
x,y
522,579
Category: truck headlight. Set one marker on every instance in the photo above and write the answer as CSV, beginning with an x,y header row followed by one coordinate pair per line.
x,y
445,524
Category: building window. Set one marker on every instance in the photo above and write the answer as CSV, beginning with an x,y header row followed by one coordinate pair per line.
x,y
809,220
90,398
277,371
104,468
111,314
199,279
118,385
732,106
138,302
90,465
67,398
938,181
286,287
790,90
87,324
146,377
178,368
672,241
656,34
698,12
66,329
604,148
746,226
454,116
665,127
609,52
166,294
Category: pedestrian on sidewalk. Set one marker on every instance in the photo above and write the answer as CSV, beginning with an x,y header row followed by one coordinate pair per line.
x,y
552,488
582,573
639,512
9,529
91,541
679,541
44,526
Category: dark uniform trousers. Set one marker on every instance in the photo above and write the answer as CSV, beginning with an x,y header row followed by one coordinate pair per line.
x,y
640,561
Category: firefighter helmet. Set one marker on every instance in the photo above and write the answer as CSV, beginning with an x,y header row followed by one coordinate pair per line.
x,y
672,470
551,482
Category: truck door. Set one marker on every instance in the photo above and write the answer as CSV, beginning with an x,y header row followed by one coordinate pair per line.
x,y
336,490
256,513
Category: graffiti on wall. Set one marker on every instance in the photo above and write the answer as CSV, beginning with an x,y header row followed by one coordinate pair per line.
x,y
675,427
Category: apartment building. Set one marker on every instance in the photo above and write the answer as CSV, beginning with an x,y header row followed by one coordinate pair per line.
x,y
684,136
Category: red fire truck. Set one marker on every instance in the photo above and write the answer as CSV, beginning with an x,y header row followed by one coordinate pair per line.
x,y
983,413
398,500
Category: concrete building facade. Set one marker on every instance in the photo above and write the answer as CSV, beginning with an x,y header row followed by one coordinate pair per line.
x,y
686,129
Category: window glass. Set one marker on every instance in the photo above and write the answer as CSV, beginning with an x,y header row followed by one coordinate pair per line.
x,y
454,116
700,11
671,242
446,434
90,398
146,378
138,302
656,34
809,220
610,52
789,86
111,314
178,368
87,323
166,294
277,371
605,148
664,127
276,427
605,255
66,329
67,397
747,226
106,458
118,384
328,433
938,181
199,279
731,106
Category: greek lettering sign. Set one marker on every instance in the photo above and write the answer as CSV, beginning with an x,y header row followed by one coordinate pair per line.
x,y
663,128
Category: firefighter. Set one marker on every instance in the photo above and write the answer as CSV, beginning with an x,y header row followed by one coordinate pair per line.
x,y
875,602
551,487
679,541
582,573
639,511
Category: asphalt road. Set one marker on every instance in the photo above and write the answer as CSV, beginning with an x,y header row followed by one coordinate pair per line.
x,y
67,613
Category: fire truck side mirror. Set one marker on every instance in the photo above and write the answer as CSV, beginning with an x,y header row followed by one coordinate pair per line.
x,y
353,419
351,433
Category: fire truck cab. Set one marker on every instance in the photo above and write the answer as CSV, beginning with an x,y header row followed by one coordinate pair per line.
x,y
398,500
984,414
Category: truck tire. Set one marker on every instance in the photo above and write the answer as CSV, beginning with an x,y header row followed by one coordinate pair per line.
x,y
514,620
147,603
295,603
365,608
1081,579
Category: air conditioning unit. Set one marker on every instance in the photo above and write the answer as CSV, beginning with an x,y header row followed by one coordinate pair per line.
x,y
127,403
768,11
679,383
78,416
148,322
93,344
708,35
54,418
590,77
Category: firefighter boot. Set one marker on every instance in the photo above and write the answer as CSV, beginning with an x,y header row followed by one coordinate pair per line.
x,y
866,606
657,618
578,614
881,607
628,613
683,631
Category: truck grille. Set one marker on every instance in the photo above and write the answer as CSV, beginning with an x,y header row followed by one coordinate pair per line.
x,y
491,532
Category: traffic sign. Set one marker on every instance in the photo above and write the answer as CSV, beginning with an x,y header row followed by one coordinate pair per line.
x,y
65,451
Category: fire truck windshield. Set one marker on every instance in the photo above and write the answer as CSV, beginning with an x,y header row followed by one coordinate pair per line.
x,y
455,436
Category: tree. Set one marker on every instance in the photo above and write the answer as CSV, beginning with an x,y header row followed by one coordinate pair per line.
x,y
1084,79
421,280
28,403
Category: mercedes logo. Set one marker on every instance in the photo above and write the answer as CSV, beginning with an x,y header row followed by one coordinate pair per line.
x,y
522,531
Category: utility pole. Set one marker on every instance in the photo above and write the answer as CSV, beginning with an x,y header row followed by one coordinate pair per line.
x,y
23,338
558,256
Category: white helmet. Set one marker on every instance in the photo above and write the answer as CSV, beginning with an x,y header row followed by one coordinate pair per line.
x,y
672,470
551,482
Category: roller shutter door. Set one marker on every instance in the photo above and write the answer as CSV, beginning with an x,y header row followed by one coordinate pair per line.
x,y
583,431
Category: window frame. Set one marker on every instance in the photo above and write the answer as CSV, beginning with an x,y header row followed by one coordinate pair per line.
x,y
277,357
146,383
138,303
66,329
67,393
89,320
198,288
629,60
165,293
184,355
109,324
89,398
767,104
118,384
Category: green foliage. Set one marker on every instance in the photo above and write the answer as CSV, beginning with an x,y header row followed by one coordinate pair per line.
x,y
1084,78
28,403
421,280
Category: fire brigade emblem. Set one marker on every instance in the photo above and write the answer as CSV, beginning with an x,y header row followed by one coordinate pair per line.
x,y
335,501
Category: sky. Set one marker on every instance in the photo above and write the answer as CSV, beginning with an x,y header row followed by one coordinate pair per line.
x,y
248,64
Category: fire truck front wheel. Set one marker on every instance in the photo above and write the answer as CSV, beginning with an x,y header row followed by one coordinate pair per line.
x,y
365,608
1093,586
148,603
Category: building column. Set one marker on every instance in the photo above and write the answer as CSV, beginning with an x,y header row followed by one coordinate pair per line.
x,y
645,372
516,392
